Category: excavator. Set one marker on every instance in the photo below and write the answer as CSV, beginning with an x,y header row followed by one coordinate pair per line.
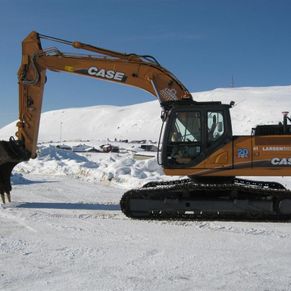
x,y
196,139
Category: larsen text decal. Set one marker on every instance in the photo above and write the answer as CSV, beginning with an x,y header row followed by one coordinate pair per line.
x,y
277,148
104,74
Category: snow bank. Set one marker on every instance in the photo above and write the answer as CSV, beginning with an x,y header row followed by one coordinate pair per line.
x,y
114,168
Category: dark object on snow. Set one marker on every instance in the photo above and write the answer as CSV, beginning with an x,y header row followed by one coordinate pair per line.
x,y
107,148
149,147
64,147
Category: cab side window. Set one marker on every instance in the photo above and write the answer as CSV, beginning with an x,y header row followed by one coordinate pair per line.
x,y
215,124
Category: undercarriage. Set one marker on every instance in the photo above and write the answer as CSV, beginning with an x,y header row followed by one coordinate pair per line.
x,y
185,199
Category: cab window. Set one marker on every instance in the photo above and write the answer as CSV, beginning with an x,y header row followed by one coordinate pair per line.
x,y
185,138
186,127
215,124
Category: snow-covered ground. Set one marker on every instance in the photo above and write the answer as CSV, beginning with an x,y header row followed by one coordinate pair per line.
x,y
64,229
68,234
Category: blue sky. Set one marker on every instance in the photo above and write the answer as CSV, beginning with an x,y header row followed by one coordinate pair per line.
x,y
203,42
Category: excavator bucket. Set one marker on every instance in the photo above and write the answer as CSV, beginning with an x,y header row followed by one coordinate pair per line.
x,y
11,153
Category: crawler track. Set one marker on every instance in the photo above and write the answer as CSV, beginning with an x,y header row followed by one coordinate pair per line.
x,y
242,200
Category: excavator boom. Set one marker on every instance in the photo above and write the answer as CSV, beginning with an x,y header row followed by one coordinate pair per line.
x,y
143,72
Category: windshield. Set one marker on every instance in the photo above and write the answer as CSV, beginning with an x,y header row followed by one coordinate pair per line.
x,y
186,127
184,138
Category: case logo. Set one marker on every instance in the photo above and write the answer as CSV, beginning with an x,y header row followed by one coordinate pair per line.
x,y
281,162
107,74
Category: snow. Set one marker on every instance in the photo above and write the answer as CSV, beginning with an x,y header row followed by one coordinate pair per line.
x,y
67,234
142,121
253,106
98,122
64,229
116,169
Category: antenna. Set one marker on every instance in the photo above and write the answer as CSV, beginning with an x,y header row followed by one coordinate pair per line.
x,y
232,81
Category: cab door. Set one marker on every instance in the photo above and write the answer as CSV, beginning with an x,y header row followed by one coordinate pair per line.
x,y
218,146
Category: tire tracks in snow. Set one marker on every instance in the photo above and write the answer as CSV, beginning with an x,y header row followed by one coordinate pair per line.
x,y
244,228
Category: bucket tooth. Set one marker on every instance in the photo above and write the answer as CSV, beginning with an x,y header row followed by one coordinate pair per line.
x,y
3,198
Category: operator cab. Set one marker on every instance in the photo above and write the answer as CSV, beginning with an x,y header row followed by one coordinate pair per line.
x,y
193,132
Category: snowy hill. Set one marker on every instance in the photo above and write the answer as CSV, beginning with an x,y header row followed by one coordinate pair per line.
x,y
98,122
253,105
142,121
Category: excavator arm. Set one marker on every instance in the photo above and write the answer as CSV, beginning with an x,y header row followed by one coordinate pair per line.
x,y
143,72
128,69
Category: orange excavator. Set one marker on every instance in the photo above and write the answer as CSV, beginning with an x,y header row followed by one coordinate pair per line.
x,y
196,139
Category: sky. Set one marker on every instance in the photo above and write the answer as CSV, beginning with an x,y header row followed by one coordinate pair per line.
x,y
207,44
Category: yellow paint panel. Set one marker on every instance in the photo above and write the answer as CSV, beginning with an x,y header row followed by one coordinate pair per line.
x,y
69,69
